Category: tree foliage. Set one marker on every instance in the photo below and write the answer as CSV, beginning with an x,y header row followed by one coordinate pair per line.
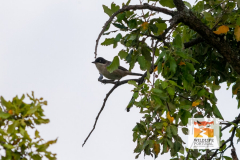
x,y
17,118
185,59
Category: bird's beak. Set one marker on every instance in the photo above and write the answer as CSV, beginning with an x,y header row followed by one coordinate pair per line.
x,y
93,62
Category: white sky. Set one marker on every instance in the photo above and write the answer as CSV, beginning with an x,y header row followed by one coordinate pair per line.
x,y
47,47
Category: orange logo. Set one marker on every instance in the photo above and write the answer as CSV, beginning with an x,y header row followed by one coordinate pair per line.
x,y
203,129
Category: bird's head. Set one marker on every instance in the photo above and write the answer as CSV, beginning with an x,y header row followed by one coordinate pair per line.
x,y
100,60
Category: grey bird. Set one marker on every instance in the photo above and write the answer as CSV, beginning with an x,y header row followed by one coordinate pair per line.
x,y
117,74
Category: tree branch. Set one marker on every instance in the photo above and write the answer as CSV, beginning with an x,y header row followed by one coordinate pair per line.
x,y
237,120
193,42
131,7
230,54
179,4
230,139
117,84
233,154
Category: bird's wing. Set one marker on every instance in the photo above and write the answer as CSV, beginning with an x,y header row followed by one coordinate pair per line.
x,y
119,67
122,68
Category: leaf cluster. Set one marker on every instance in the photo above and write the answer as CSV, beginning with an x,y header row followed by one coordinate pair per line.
x,y
17,118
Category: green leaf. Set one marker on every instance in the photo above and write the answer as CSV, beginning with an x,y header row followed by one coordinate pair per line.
x,y
142,62
133,37
171,91
174,130
173,65
146,53
167,3
164,84
37,134
128,2
36,157
4,115
157,91
185,131
238,20
216,112
132,83
121,16
108,41
114,7
42,148
8,105
169,134
122,54
107,10
175,84
11,128
176,146
8,146
157,52
208,16
120,26
153,28
114,65
132,23
158,125
190,66
187,4
169,142
186,107
32,110
159,67
141,128
40,121
227,158
199,6
118,37
202,92
184,116
177,42
161,27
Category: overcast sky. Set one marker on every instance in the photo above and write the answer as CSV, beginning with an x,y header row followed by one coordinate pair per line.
x,y
47,46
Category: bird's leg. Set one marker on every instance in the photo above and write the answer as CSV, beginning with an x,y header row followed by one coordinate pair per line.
x,y
117,82
100,78
104,81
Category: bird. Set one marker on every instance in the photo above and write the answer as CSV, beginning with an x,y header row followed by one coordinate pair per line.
x,y
117,74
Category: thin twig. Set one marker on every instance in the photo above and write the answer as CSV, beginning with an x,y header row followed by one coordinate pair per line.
x,y
187,154
230,139
105,100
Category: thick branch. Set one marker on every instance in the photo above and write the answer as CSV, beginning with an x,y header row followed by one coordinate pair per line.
x,y
131,7
193,42
179,4
223,47
234,155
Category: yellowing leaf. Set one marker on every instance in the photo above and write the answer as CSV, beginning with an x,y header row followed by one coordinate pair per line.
x,y
237,33
156,148
182,63
10,111
162,64
222,29
155,69
170,118
196,103
145,25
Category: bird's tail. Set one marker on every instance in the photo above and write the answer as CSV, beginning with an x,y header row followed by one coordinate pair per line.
x,y
135,74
